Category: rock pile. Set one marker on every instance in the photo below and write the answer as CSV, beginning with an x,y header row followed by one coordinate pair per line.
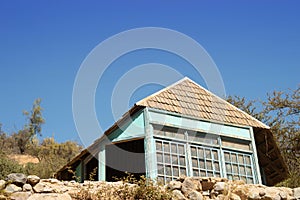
x,y
197,188
21,187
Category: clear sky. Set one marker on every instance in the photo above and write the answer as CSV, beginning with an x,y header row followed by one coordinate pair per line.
x,y
255,45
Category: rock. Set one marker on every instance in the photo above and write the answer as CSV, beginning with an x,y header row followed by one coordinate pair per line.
x,y
33,179
189,185
17,178
296,192
194,195
178,195
2,197
207,184
234,197
283,195
2,184
11,188
20,196
174,185
262,193
42,188
27,187
253,196
220,186
50,196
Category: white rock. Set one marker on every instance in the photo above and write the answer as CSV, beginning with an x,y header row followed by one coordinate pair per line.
x,y
33,179
220,186
20,195
174,185
11,188
50,196
194,195
27,187
2,184
178,195
296,192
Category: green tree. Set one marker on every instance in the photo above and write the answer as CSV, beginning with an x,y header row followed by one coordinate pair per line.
x,y
32,128
281,112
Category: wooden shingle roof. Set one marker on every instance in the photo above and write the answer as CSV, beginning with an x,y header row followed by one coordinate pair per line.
x,y
188,98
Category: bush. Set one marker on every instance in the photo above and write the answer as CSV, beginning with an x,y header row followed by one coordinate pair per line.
x,y
8,166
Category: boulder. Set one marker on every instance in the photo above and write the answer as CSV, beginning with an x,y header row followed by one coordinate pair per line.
x,y
48,187
296,192
11,188
42,188
17,178
177,195
50,196
220,187
207,184
194,195
33,179
2,184
174,185
2,197
190,184
27,187
20,196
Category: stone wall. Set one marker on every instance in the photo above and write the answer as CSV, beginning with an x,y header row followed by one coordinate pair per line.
x,y
21,187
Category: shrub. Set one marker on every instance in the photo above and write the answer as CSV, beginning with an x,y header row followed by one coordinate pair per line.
x,y
8,166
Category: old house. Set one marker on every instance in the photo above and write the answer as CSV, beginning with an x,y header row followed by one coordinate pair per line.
x,y
185,130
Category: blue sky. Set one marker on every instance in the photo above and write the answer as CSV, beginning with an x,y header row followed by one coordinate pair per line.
x,y
255,44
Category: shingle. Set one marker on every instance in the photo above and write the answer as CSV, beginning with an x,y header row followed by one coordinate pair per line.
x,y
187,97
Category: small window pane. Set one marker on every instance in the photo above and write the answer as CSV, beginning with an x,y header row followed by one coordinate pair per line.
x,y
247,159
167,158
174,159
159,157
168,170
181,149
193,151
195,172
166,147
175,171
217,167
227,156
235,169
203,173
182,161
233,158
201,153
173,148
194,162
202,164
182,171
158,146
209,165
228,168
207,154
249,171
241,159
215,154
160,169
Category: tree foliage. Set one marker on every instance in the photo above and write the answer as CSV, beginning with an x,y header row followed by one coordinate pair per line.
x,y
281,112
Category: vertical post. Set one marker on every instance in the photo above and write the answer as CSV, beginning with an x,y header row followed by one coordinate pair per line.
x,y
256,165
222,159
149,146
101,164
189,165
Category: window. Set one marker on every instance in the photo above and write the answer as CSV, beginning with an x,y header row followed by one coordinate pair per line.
x,y
205,161
171,160
184,152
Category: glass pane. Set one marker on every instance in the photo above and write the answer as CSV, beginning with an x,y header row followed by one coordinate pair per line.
x,y
182,171
217,174
173,148
228,168
207,154
217,167
201,153
242,170
159,157
215,154
227,156
241,159
182,161
235,169
195,172
158,146
181,149
230,177
247,159
234,158
175,171
210,174
209,165
168,170
160,169
249,180
194,162
249,171
202,164
175,159
203,173
168,179
193,151
166,147
167,158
